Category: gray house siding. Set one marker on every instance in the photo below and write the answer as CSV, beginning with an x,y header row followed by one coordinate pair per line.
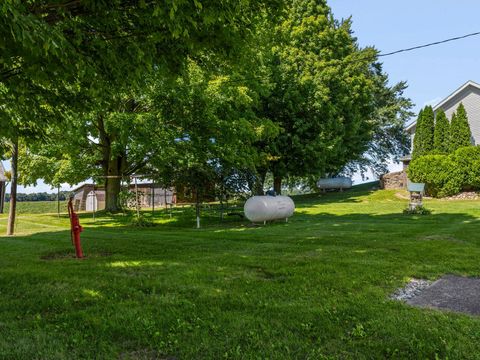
x,y
470,98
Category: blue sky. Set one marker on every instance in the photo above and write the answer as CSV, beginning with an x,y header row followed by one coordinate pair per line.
x,y
432,73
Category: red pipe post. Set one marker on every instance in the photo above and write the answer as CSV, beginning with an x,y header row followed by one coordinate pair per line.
x,y
75,229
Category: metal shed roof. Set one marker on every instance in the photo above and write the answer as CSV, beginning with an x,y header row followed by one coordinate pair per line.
x,y
415,187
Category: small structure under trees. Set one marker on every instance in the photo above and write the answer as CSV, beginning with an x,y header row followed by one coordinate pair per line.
x,y
3,181
416,191
90,197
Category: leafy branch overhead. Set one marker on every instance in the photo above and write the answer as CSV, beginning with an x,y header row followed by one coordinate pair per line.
x,y
192,93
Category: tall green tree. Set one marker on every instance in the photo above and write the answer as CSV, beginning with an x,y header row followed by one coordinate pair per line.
x,y
441,143
213,130
323,94
460,134
114,45
187,131
389,139
424,133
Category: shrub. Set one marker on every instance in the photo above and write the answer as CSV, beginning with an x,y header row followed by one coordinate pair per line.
x,y
468,160
438,173
460,134
141,221
419,210
446,175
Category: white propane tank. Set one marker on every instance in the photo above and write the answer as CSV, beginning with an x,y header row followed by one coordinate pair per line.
x,y
266,208
335,183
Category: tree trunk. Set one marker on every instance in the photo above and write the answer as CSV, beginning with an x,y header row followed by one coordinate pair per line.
x,y
260,181
277,184
13,189
2,196
113,185
112,169
197,208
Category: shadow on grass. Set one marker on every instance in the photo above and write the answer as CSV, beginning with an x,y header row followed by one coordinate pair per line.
x,y
111,231
348,196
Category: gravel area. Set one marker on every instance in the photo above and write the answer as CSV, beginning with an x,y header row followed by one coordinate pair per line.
x,y
412,289
463,196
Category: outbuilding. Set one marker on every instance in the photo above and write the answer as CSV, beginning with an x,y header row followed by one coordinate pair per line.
x,y
3,182
90,197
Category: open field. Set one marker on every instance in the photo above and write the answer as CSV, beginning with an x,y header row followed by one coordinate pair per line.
x,y
313,288
37,207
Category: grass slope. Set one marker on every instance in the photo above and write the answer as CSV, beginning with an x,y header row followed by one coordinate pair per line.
x,y
37,207
316,287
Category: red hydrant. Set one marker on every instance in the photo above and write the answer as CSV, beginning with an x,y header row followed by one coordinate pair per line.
x,y
76,229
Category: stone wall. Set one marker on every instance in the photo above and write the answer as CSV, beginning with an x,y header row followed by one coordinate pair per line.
x,y
394,180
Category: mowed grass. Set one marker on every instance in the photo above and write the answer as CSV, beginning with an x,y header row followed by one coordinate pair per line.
x,y
37,207
316,287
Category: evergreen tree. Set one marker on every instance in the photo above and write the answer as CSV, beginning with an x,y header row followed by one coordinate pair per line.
x,y
463,135
424,134
460,134
441,142
429,128
454,130
418,136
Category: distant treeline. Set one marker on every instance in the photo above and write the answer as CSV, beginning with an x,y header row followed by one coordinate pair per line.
x,y
42,196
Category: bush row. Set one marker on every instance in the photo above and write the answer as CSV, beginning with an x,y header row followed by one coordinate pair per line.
x,y
446,175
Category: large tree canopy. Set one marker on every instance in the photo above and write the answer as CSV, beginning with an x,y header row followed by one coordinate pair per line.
x,y
155,89
191,131
87,57
326,97
389,139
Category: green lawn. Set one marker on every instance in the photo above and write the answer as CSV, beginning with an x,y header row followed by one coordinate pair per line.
x,y
313,288
37,207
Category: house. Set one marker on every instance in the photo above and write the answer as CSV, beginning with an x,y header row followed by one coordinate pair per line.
x,y
90,197
3,181
469,95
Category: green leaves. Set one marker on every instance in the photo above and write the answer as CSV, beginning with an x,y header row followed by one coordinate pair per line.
x,y
324,96
447,175
460,134
441,143
441,137
424,133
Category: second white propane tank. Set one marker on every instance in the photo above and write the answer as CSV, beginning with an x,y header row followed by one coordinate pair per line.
x,y
335,183
266,208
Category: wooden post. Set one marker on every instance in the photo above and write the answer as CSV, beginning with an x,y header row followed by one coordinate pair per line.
x,y
94,198
153,198
197,210
221,207
165,199
2,196
58,201
136,199
13,189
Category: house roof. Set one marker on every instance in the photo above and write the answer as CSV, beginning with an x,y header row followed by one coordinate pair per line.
x,y
2,173
81,187
456,92
448,98
102,188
